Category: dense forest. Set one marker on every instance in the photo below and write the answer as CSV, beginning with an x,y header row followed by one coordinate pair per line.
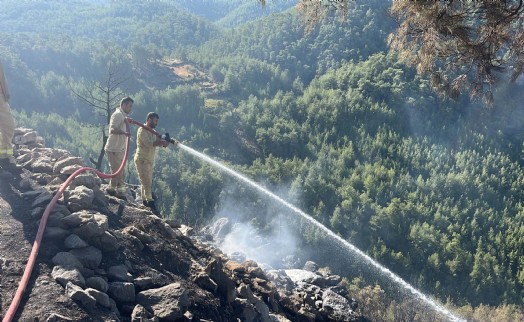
x,y
330,120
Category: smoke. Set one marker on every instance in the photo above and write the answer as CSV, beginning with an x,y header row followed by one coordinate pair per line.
x,y
270,248
258,231
274,238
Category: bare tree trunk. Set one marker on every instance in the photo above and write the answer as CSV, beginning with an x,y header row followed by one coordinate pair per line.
x,y
102,96
98,163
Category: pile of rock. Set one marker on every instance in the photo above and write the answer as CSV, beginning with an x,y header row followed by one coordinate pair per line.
x,y
311,293
119,262
316,295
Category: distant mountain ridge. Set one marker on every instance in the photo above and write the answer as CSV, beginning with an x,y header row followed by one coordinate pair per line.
x,y
231,13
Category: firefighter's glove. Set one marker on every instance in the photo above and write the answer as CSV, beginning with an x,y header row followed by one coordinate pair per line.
x,y
166,138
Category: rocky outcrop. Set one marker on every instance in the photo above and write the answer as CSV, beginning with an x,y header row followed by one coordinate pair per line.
x,y
119,262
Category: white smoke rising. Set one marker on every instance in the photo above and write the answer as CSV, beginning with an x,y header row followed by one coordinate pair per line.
x,y
268,248
258,227
245,238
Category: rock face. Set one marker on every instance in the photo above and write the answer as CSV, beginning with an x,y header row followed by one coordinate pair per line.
x,y
116,261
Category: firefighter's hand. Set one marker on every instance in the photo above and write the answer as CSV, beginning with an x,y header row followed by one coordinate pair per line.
x,y
166,139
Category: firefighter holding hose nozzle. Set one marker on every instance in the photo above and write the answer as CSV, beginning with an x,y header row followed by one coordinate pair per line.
x,y
147,142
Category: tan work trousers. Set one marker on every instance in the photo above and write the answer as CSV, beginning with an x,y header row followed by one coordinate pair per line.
x,y
145,174
7,129
115,160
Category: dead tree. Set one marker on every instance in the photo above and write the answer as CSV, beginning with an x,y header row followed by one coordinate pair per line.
x,y
103,97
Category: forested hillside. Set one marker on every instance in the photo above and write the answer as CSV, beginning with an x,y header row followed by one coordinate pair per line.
x,y
231,13
432,189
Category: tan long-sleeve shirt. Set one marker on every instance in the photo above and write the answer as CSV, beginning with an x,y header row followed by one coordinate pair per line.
x,y
145,145
117,142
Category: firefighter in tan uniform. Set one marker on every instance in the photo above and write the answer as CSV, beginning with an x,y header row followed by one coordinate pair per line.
x,y
147,143
7,125
116,144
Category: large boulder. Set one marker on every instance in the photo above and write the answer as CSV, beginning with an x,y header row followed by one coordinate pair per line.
x,y
226,285
68,161
168,303
90,256
65,275
122,292
80,198
338,307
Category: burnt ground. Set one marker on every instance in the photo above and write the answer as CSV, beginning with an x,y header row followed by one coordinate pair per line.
x,y
167,258
43,295
155,254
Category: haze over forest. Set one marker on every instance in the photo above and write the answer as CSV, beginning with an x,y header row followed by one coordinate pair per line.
x,y
331,121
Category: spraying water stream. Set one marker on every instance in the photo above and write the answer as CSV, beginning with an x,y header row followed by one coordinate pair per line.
x,y
434,305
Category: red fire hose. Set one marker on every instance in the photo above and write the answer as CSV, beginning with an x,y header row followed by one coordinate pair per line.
x,y
41,228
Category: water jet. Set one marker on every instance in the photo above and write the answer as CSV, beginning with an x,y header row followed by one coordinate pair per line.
x,y
348,246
